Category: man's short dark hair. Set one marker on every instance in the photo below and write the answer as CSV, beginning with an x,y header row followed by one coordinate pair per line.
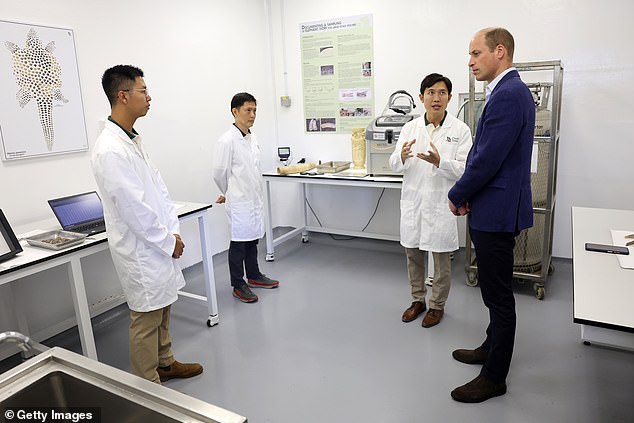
x,y
496,36
433,78
117,78
239,99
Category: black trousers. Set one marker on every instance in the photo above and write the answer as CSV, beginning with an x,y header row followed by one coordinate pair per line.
x,y
243,255
494,254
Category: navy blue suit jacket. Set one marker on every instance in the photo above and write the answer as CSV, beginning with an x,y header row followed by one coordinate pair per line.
x,y
496,181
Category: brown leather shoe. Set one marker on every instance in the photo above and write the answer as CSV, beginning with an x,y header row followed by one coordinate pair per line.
x,y
179,370
432,318
414,311
477,356
478,390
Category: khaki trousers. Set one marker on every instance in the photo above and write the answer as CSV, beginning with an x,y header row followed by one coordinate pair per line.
x,y
150,342
416,262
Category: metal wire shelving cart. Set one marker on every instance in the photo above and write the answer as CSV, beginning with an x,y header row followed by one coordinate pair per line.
x,y
533,246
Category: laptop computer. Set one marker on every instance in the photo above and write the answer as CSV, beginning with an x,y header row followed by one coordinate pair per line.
x,y
81,213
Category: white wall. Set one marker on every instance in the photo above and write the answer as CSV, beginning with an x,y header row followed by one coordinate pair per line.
x,y
414,37
195,54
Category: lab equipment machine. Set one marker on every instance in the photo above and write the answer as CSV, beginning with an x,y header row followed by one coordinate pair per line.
x,y
382,133
284,154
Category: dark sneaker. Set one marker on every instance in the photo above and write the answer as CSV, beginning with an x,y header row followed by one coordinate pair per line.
x,y
244,294
263,282
179,370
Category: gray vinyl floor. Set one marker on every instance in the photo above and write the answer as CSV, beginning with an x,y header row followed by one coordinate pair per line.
x,y
329,346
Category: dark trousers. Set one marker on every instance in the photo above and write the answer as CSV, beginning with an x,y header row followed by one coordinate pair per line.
x,y
243,255
494,254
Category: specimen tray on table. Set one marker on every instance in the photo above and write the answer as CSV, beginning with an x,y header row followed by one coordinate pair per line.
x,y
56,240
332,167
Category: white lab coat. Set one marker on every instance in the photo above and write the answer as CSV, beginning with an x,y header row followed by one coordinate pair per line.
x,y
236,171
140,221
426,221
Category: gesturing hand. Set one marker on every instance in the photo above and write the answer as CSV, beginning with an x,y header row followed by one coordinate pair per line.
x,y
432,156
406,151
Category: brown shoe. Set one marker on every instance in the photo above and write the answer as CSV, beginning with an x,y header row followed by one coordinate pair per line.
x,y
179,370
432,318
478,390
414,311
477,356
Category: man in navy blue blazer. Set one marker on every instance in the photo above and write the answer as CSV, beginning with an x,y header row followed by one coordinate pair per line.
x,y
495,190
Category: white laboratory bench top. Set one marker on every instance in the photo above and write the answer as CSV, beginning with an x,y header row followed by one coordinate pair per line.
x,y
34,259
603,291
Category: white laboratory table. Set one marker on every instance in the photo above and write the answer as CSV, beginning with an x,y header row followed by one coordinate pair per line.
x,y
392,182
602,291
34,260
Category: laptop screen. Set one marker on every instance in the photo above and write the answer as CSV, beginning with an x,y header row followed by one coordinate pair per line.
x,y
77,209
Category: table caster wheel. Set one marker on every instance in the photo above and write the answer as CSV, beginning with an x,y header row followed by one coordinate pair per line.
x,y
213,320
540,291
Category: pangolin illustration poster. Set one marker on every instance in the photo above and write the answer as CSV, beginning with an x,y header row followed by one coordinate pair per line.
x,y
41,111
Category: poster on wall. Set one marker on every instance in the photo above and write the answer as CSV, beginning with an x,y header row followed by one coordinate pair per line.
x,y
41,110
337,74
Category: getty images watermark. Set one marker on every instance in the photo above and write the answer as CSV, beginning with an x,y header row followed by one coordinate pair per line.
x,y
52,414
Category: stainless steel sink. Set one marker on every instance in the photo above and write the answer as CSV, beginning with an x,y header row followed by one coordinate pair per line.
x,y
58,389
60,378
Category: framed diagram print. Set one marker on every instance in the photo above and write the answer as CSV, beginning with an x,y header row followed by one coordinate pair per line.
x,y
41,109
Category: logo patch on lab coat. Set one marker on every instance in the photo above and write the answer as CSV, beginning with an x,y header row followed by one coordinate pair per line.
x,y
453,139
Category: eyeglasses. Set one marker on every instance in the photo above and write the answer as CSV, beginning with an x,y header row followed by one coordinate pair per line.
x,y
143,91
441,93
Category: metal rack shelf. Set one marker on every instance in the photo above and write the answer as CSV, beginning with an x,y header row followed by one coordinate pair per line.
x,y
533,246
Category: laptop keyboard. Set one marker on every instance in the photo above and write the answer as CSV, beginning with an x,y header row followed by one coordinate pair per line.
x,y
88,227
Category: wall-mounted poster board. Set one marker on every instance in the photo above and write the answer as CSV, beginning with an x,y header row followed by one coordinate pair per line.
x,y
337,74
41,110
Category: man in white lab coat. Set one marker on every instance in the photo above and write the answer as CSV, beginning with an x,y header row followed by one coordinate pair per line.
x,y
236,171
142,226
431,152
